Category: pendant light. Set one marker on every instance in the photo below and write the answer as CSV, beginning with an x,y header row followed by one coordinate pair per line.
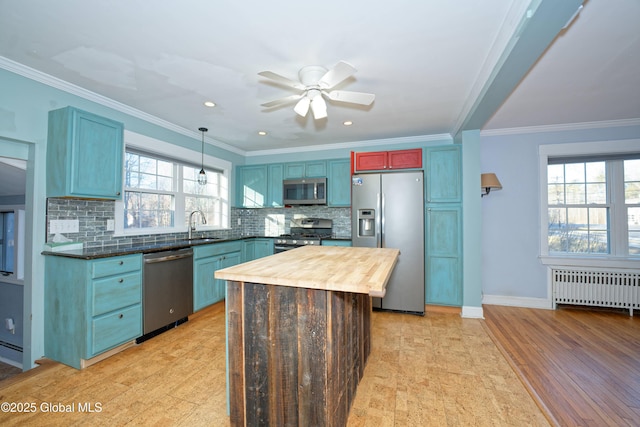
x,y
202,176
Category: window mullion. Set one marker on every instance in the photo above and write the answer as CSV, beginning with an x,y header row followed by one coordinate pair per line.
x,y
180,196
617,213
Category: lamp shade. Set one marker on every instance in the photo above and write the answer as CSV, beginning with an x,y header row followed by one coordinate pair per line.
x,y
490,180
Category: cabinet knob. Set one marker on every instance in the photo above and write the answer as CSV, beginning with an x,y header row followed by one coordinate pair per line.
x,y
121,316
118,193
121,262
120,280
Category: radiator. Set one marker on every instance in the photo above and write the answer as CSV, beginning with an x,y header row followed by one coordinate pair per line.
x,y
597,287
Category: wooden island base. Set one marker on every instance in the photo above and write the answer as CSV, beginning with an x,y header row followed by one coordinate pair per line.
x,y
296,355
299,333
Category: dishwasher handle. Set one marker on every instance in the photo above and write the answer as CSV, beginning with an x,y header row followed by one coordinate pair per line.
x,y
170,257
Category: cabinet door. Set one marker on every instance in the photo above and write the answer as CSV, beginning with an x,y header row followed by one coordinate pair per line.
x,y
294,170
443,256
248,250
274,190
251,191
317,169
405,159
371,161
339,183
228,260
204,284
443,174
84,155
263,248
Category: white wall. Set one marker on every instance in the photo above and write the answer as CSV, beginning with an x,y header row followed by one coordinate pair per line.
x,y
511,269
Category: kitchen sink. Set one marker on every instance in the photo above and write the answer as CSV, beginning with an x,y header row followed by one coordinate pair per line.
x,y
202,240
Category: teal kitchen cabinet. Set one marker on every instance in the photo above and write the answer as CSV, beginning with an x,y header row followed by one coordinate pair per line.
x,y
339,182
255,248
311,169
207,259
443,174
251,186
259,186
275,176
92,307
443,255
84,155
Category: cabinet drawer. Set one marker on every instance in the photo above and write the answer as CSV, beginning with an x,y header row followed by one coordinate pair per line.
x,y
116,292
115,328
216,249
116,265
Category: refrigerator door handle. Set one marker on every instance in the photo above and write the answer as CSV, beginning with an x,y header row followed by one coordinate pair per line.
x,y
381,213
379,220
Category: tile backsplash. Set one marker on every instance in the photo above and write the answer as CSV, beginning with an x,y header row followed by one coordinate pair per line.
x,y
92,216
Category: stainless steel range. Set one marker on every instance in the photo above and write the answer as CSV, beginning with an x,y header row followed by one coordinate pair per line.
x,y
303,232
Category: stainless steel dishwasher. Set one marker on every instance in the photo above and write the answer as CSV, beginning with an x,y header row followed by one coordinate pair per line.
x,y
167,290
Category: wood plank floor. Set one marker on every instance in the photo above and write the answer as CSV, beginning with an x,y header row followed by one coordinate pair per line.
x,y
436,370
582,365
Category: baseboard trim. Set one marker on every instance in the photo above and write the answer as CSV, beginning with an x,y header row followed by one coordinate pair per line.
x,y
472,312
524,302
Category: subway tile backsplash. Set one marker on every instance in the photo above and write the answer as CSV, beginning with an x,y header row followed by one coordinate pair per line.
x,y
92,216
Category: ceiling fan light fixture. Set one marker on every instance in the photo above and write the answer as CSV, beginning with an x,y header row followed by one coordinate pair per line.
x,y
202,176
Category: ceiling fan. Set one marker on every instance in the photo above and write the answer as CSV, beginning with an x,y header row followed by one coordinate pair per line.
x,y
316,82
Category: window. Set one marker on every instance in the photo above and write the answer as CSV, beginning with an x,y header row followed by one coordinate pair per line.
x,y
12,244
161,188
160,194
593,205
6,242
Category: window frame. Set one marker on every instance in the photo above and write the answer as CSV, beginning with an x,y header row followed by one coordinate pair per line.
x,y
578,149
19,224
165,150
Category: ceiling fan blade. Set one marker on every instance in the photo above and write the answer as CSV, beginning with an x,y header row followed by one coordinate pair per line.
x,y
337,74
351,97
281,79
281,101
302,107
319,108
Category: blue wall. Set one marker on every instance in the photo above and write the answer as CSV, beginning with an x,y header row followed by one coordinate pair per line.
x,y
511,267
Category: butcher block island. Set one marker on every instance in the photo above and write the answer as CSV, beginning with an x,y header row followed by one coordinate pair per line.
x,y
299,332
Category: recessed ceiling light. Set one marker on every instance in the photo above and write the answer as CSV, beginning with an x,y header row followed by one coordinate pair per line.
x,y
262,133
347,123
210,104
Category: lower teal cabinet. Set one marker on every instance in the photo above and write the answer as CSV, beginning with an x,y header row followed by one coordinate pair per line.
x,y
91,306
443,265
255,248
207,259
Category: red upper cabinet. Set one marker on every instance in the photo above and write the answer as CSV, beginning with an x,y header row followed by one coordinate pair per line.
x,y
371,161
381,160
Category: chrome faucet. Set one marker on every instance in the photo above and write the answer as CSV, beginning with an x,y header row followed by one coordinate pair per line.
x,y
192,227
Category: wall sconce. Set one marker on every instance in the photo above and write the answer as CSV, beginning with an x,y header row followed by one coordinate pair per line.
x,y
489,181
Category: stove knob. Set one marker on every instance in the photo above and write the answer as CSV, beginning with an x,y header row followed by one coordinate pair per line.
x,y
294,242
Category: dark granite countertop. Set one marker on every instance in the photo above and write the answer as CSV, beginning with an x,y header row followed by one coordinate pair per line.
x,y
95,253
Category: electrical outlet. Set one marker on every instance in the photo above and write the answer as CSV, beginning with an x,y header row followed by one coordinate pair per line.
x,y
58,226
111,225
239,221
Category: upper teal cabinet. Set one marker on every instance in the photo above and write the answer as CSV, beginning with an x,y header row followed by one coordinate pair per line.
x,y
339,183
444,174
251,186
84,155
259,186
313,169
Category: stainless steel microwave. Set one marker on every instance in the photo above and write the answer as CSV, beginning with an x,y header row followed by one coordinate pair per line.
x,y
305,191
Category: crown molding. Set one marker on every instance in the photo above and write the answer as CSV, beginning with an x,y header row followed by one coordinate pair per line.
x,y
54,82
565,127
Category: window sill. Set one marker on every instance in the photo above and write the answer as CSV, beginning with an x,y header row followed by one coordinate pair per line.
x,y
598,262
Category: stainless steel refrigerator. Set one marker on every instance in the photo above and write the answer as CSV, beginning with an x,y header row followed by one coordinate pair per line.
x,y
388,212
